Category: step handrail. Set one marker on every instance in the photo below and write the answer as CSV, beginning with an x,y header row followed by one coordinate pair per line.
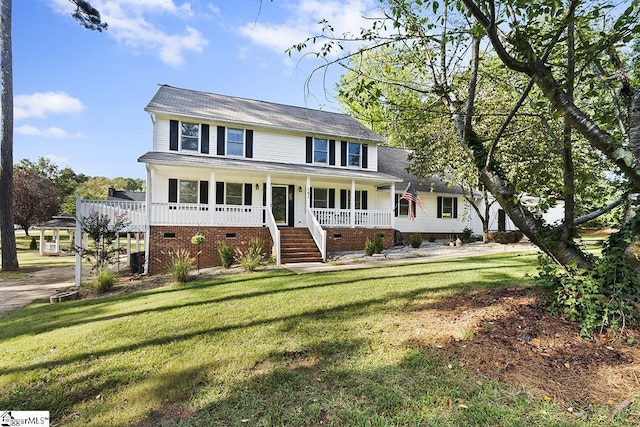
x,y
318,233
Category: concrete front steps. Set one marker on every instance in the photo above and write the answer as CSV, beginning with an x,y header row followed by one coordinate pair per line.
x,y
297,245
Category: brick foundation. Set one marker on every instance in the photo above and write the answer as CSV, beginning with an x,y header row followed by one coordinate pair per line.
x,y
354,239
164,239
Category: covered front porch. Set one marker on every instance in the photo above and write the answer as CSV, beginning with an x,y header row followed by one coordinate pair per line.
x,y
248,201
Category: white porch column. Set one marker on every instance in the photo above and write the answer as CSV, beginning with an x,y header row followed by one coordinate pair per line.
x,y
128,256
212,197
79,243
392,190
41,241
118,252
307,201
268,190
352,214
56,238
149,203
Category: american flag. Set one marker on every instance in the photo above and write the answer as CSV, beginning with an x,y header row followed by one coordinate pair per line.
x,y
411,195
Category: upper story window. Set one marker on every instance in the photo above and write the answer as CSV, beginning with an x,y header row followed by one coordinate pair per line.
x,y
235,142
320,150
354,154
189,136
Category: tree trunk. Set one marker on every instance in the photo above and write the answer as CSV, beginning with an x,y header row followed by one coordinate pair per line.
x,y
7,232
547,239
567,149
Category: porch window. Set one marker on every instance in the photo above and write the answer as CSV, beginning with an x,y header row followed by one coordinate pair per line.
x,y
188,192
189,136
361,199
353,154
320,198
234,194
235,142
320,150
447,207
402,206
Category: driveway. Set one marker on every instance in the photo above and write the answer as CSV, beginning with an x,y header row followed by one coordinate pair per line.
x,y
38,285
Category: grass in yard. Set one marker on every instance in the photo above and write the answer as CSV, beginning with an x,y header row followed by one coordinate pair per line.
x,y
266,348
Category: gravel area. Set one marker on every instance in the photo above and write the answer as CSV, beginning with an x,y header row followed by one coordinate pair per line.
x,y
430,249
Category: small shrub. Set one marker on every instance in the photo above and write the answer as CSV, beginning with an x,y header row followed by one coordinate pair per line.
x,y
104,281
180,265
432,239
227,254
33,245
601,298
416,240
252,257
374,246
467,236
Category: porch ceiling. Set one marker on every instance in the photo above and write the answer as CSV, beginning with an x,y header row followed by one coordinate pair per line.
x,y
178,159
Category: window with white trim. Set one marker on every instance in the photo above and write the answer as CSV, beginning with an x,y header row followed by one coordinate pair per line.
x,y
354,151
234,194
402,206
235,142
447,207
188,191
320,150
359,202
320,198
189,136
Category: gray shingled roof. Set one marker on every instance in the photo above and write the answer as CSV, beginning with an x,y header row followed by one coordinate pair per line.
x,y
229,109
178,159
395,161
64,222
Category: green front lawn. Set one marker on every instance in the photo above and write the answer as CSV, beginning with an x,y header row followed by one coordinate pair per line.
x,y
264,349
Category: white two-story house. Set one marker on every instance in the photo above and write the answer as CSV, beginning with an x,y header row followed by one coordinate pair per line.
x,y
304,182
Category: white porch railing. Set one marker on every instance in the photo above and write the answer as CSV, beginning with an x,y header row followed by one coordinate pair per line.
x,y
318,233
357,218
52,247
135,212
197,214
275,235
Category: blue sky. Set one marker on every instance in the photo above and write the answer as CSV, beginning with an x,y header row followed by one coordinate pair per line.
x,y
79,96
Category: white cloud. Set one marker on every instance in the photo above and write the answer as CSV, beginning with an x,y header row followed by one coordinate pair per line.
x,y
50,132
41,104
130,24
346,17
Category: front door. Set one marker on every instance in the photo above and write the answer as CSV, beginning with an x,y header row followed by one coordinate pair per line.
x,y
280,204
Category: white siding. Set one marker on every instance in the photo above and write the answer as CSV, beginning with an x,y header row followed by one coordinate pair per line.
x,y
161,135
278,147
268,146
